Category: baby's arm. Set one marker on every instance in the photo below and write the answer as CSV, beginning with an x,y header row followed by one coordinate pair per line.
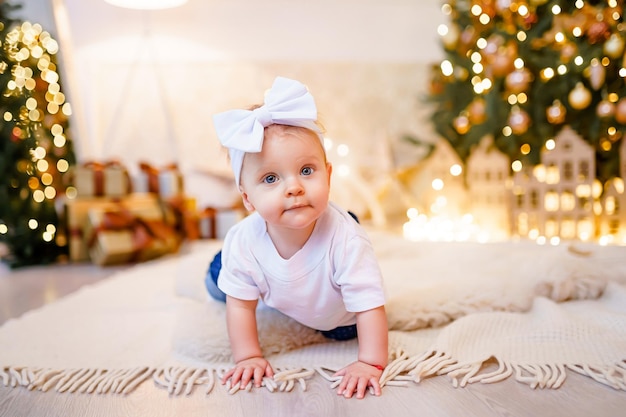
x,y
244,342
373,355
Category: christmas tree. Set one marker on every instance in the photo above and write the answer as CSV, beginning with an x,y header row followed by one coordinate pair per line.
x,y
35,150
521,70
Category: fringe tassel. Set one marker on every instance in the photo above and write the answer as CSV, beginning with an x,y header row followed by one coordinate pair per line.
x,y
83,380
401,370
182,380
614,377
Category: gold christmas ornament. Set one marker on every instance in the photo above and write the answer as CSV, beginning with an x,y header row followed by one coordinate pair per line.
x,y
494,42
494,56
568,51
519,121
476,110
467,39
488,8
620,111
579,98
597,74
501,63
556,113
503,5
530,19
597,32
460,73
461,124
518,80
605,109
436,85
614,46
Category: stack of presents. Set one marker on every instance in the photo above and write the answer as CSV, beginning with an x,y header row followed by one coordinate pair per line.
x,y
115,219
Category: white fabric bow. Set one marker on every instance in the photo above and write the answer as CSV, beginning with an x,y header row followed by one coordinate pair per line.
x,y
288,102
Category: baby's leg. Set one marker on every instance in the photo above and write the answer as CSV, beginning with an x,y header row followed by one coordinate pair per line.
x,y
210,281
341,333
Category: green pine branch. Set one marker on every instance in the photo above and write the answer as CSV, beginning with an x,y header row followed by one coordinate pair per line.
x,y
455,92
29,223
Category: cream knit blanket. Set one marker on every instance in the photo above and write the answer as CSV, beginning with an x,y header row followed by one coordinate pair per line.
x,y
475,312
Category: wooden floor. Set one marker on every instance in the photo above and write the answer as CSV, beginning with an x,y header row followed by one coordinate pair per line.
x,y
30,288
25,289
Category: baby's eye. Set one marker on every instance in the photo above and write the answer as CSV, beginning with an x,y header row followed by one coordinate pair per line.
x,y
270,179
307,171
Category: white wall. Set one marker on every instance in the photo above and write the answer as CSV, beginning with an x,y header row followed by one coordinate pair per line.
x,y
361,30
143,85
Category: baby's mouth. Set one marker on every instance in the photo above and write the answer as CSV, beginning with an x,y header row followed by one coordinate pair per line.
x,y
296,206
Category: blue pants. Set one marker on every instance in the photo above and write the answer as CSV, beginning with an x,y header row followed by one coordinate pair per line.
x,y
210,281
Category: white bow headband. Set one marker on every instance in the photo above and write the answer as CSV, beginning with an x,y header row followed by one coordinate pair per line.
x,y
288,102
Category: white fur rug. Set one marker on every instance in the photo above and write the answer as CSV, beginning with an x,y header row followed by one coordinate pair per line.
x,y
474,312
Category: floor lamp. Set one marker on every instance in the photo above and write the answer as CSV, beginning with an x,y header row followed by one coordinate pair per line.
x,y
146,41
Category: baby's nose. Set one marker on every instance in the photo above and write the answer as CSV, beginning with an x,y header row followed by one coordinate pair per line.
x,y
294,187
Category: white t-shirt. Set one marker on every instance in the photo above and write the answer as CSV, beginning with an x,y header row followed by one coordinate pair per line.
x,y
323,285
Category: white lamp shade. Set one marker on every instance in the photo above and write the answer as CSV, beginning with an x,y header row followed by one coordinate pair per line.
x,y
147,4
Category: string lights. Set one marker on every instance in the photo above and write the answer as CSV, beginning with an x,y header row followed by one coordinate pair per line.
x,y
524,70
521,55
36,150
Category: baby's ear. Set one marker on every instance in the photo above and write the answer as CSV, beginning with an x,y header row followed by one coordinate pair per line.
x,y
329,169
246,203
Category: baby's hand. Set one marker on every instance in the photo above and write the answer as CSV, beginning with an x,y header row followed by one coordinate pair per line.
x,y
247,370
356,378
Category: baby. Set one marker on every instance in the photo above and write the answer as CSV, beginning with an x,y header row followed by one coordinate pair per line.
x,y
296,251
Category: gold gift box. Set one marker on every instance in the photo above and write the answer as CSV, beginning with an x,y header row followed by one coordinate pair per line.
x,y
165,181
213,223
95,179
142,240
79,230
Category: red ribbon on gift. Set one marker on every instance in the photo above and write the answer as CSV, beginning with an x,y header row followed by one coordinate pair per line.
x,y
144,231
153,174
98,174
209,214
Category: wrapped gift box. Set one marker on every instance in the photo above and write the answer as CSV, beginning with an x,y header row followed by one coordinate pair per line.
x,y
225,219
77,216
206,223
167,181
121,236
214,223
110,179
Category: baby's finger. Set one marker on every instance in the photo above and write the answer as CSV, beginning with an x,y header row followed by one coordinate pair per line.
x,y
342,385
350,387
376,385
361,387
246,376
236,376
258,376
227,375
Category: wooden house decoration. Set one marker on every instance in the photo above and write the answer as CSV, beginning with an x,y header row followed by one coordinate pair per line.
x,y
438,190
612,217
560,197
527,216
486,176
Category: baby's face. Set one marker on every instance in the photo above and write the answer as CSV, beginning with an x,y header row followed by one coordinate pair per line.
x,y
288,182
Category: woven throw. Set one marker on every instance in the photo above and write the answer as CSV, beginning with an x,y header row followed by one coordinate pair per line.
x,y
474,312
